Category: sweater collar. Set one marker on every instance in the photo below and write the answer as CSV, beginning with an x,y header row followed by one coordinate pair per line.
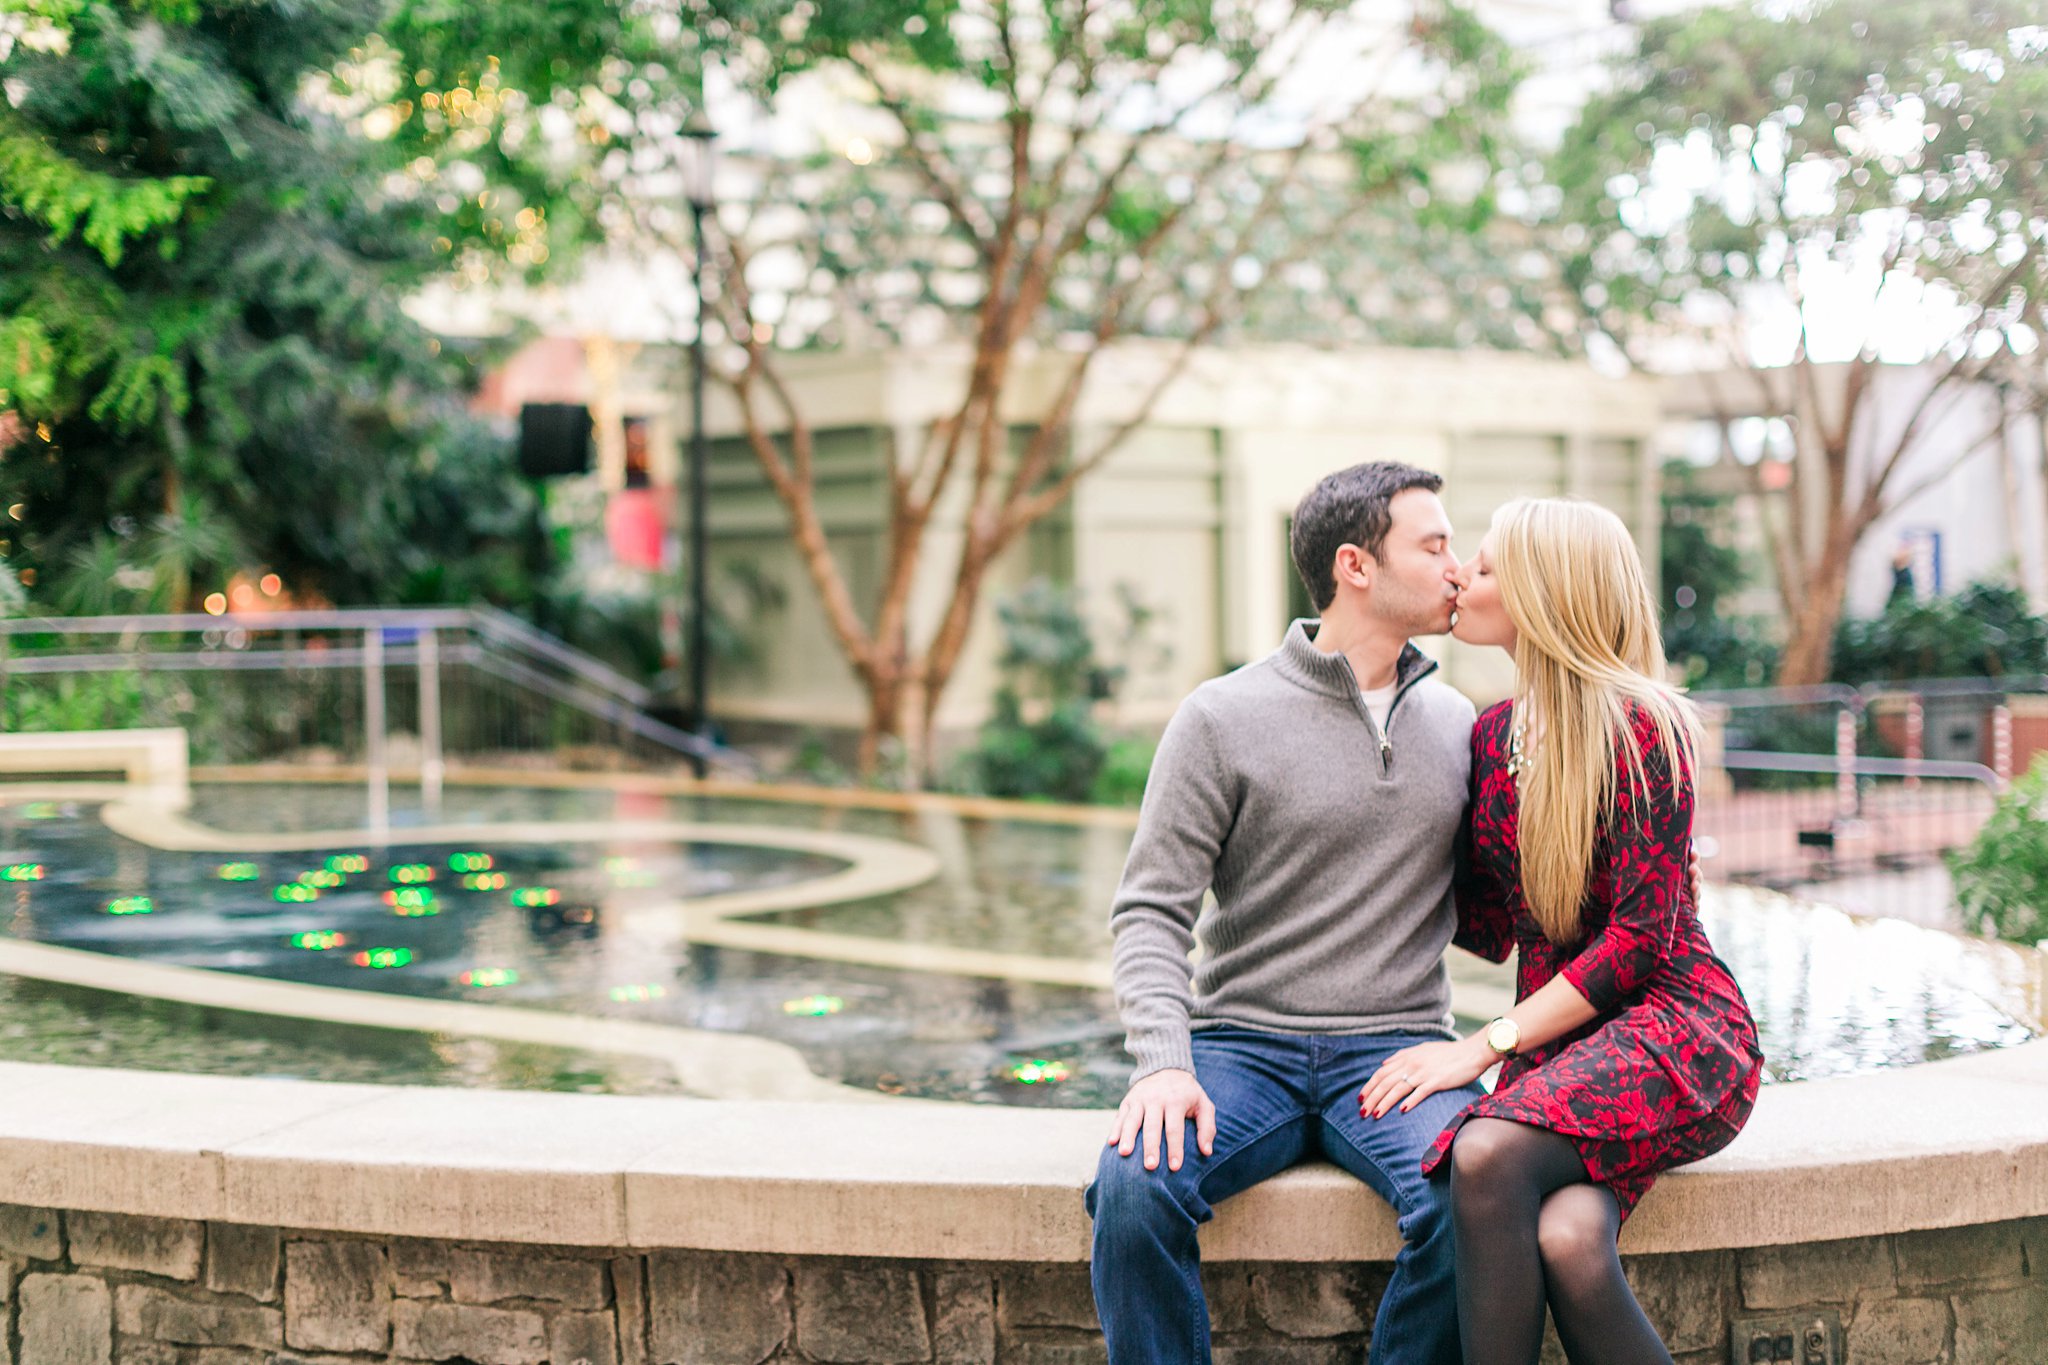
x,y
1331,674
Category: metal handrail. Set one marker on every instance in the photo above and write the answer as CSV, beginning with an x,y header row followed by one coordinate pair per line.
x,y
233,661
1823,694
1857,698
501,626
1757,760
504,625
337,618
524,656
1958,687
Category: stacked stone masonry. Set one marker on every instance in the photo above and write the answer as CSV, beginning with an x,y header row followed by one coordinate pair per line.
x,y
85,1288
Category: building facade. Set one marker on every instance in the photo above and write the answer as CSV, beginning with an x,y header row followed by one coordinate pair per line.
x,y
1189,518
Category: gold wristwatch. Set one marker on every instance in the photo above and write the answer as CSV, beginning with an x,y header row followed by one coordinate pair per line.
x,y
1504,1035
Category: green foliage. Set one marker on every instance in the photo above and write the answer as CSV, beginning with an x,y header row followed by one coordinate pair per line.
x,y
1055,757
13,596
2001,878
1042,741
1701,572
1124,772
210,214
1743,148
25,357
61,193
1985,631
224,723
813,762
1381,233
91,701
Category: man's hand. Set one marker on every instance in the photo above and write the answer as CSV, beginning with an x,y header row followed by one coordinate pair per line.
x,y
1164,1102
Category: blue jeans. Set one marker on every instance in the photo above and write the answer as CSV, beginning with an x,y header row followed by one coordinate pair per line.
x,y
1281,1098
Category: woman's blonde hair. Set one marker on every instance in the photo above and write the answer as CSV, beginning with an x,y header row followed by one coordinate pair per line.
x,y
1588,661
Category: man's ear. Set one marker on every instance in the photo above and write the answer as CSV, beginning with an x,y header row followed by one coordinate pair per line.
x,y
1354,566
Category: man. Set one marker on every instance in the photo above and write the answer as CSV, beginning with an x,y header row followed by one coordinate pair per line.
x,y
1319,793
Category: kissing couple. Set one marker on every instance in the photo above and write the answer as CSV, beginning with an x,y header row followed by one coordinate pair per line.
x,y
1352,818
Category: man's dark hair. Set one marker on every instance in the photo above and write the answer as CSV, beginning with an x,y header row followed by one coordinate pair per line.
x,y
1349,507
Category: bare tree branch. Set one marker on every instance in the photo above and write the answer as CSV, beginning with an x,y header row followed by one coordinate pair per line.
x,y
967,213
1965,347
1964,454
791,480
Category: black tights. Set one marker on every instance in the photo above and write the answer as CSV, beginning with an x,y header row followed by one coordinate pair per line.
x,y
1530,1227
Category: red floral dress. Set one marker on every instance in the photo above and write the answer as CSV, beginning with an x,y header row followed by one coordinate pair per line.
x,y
1668,1071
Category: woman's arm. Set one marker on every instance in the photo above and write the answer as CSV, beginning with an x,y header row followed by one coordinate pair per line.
x,y
1414,1073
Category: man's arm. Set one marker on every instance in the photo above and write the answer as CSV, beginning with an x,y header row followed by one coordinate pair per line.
x,y
1188,810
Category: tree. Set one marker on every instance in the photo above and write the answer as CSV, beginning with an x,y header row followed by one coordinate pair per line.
x,y
211,212
1763,187
1064,175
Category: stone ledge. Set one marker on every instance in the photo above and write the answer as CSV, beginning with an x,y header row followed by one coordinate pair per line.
x,y
155,761
1947,1144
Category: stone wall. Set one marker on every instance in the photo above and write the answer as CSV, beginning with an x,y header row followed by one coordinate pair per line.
x,y
103,1289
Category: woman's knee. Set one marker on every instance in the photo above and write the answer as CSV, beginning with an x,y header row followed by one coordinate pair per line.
x,y
1483,1151
1575,1232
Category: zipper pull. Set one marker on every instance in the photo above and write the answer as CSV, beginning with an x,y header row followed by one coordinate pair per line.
x,y
1386,751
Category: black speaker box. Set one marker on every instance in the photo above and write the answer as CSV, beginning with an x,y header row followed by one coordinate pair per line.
x,y
554,439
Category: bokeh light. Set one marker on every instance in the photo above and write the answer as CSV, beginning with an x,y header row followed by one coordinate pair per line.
x,y
413,902
1039,1071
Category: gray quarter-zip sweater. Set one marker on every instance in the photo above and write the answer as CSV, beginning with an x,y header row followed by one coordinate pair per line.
x,y
1326,842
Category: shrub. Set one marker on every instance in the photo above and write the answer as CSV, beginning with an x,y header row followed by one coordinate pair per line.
x,y
1986,630
1054,758
2002,877
1042,741
1124,770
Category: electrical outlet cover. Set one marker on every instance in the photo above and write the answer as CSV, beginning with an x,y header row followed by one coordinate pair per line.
x,y
1813,1337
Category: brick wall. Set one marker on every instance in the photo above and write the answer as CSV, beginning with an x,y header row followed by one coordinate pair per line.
x,y
101,1289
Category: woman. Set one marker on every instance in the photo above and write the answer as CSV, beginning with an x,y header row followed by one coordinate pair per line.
x,y
1629,1050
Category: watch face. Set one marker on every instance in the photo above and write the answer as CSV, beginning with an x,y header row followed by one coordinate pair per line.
x,y
1502,1035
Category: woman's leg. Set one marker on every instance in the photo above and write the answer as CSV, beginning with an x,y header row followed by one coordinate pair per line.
x,y
1500,1173
1597,1316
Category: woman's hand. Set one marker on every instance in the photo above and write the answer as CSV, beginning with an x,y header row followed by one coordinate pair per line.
x,y
1413,1073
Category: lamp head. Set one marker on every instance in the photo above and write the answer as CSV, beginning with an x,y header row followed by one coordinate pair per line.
x,y
701,164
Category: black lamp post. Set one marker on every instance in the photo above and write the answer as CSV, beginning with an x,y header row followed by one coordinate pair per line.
x,y
698,174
